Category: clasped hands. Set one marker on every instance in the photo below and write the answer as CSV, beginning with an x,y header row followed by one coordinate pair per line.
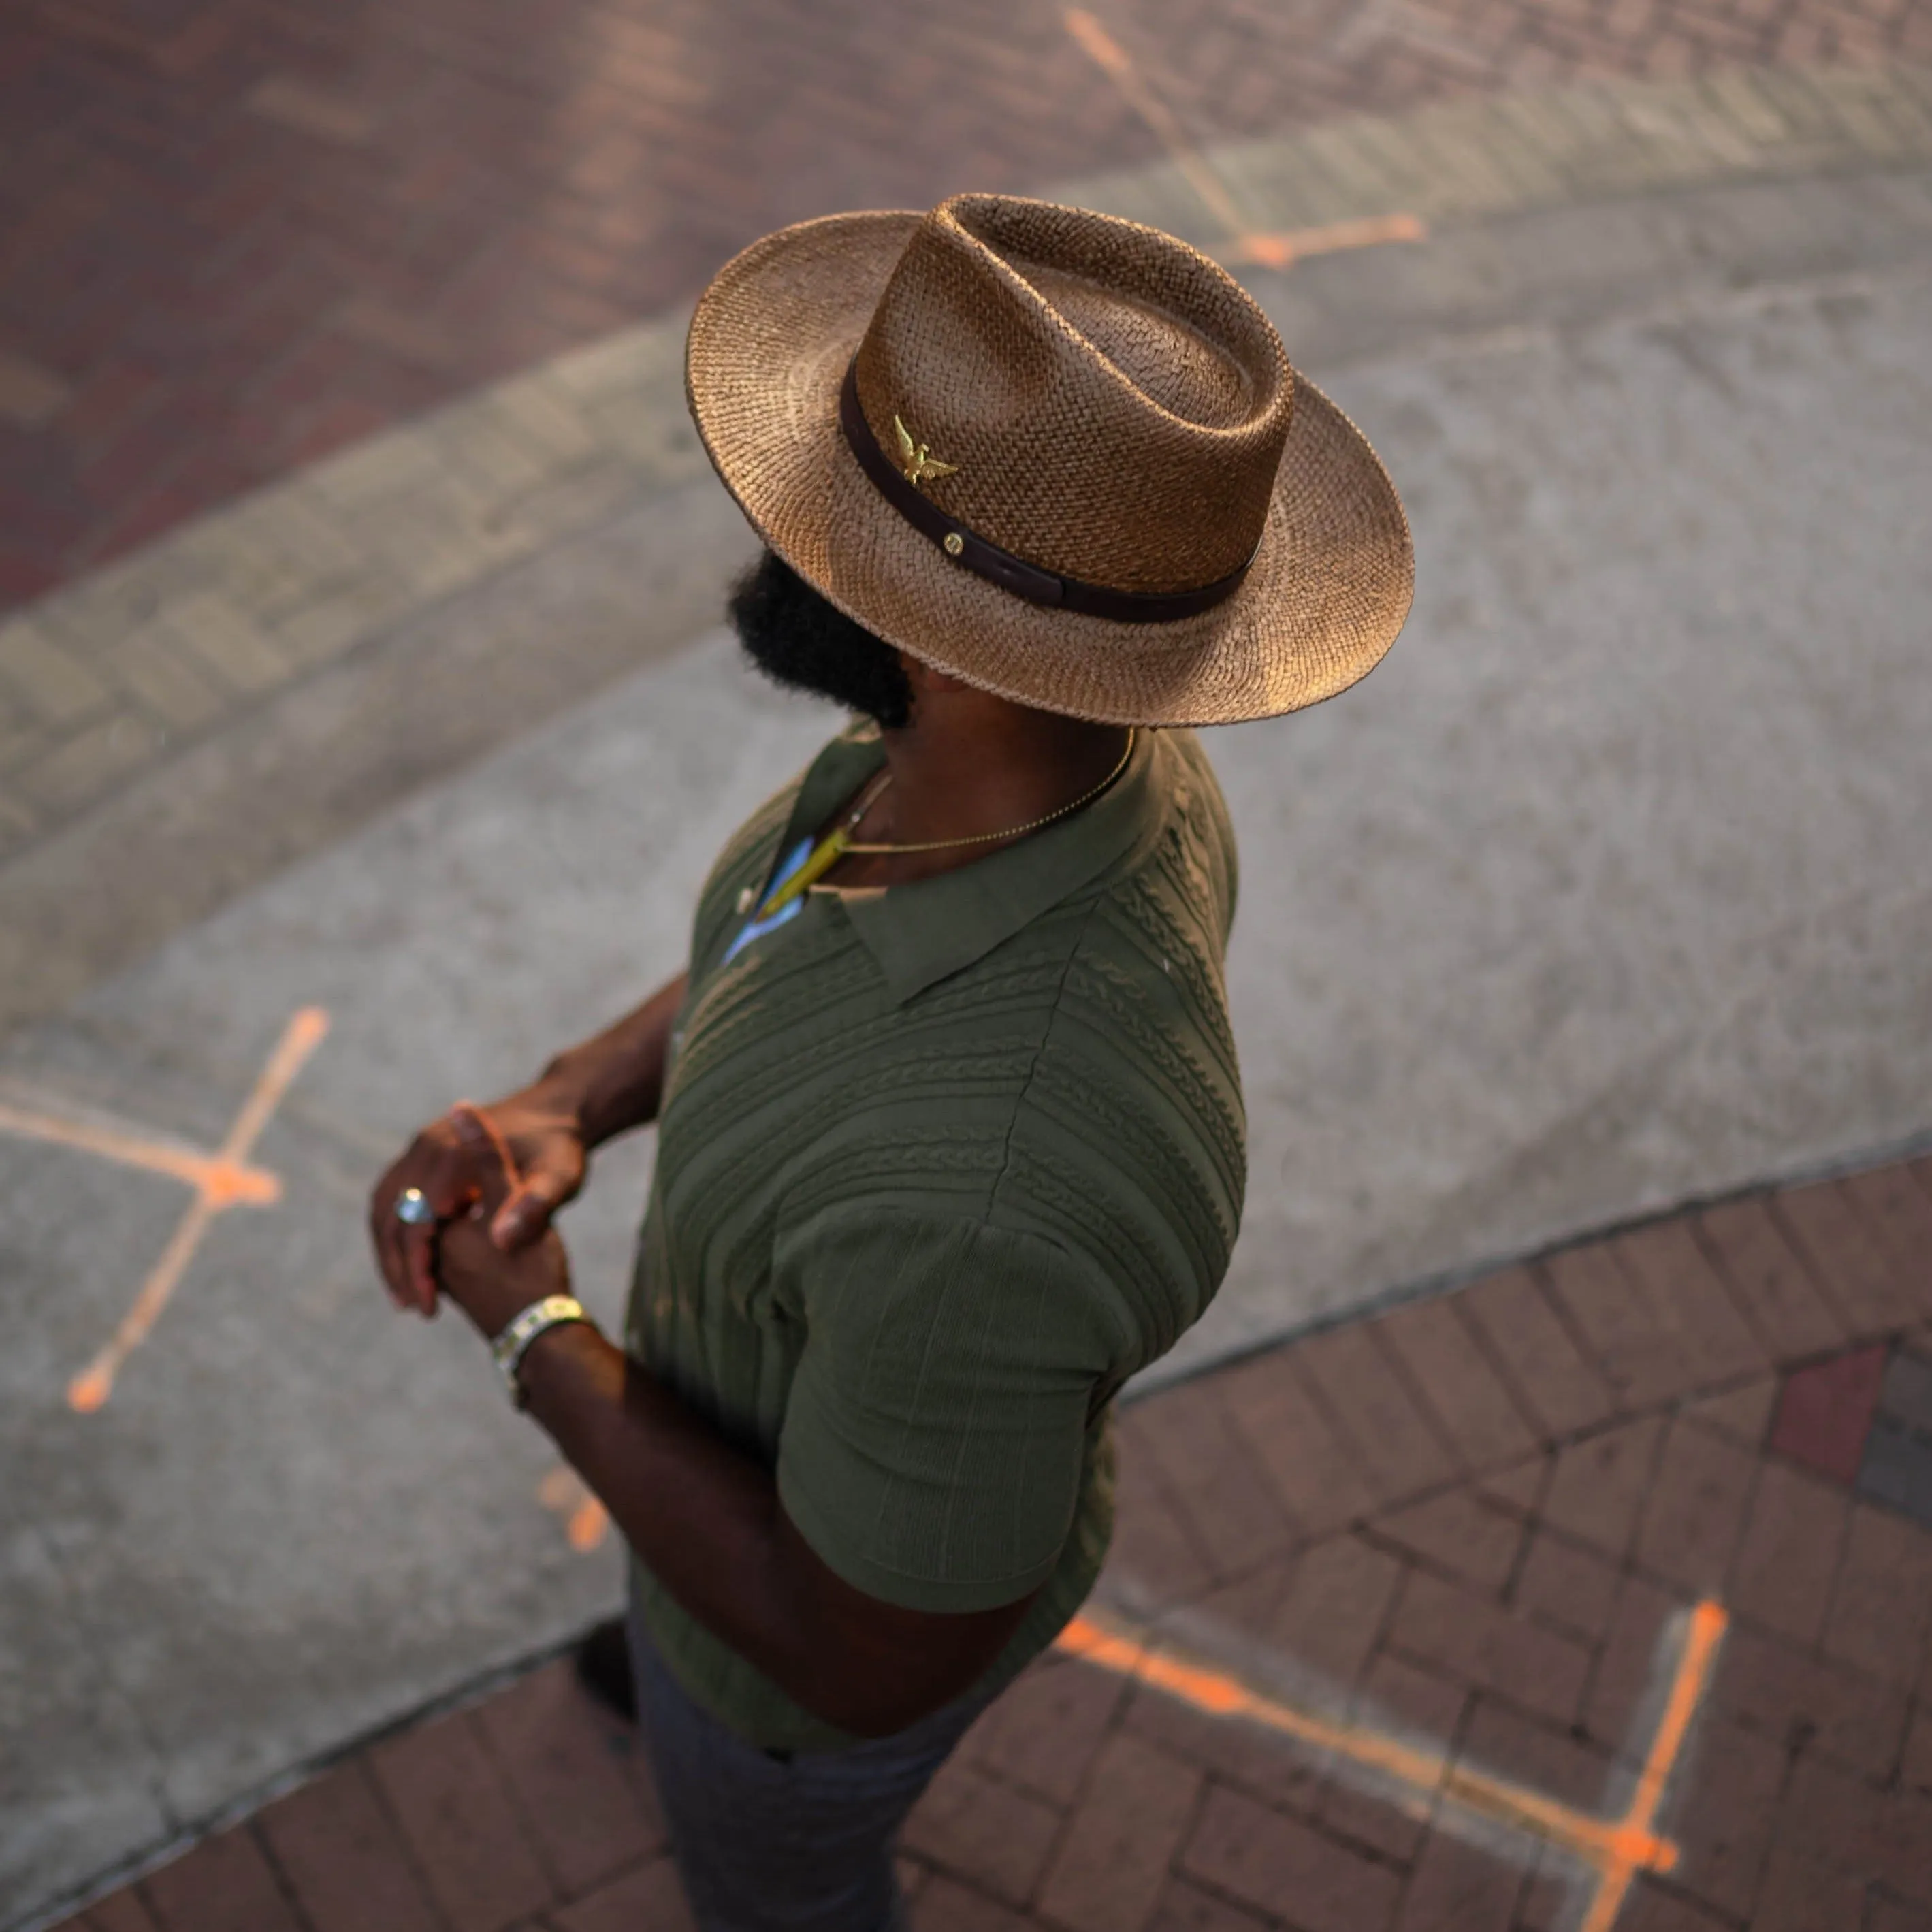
x,y
492,1177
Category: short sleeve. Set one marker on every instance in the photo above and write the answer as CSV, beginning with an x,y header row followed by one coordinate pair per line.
x,y
934,1440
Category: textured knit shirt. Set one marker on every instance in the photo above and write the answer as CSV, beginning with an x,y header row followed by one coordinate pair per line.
x,y
939,1167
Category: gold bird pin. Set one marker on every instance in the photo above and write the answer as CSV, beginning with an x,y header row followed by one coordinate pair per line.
x,y
920,466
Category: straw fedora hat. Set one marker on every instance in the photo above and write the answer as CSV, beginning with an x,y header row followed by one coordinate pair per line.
x,y
1062,456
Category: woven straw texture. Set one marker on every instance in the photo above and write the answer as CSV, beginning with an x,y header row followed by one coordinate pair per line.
x,y
1117,409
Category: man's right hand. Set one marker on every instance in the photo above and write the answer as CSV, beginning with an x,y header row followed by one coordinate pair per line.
x,y
452,1160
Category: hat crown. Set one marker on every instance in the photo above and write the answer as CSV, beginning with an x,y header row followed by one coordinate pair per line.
x,y
1106,402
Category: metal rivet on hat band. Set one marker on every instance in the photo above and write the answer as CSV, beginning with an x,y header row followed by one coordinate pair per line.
x,y
973,552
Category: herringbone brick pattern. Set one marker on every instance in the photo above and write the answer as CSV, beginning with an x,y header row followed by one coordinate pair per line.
x,y
1470,1527
236,234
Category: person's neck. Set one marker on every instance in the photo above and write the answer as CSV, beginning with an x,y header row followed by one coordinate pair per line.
x,y
969,764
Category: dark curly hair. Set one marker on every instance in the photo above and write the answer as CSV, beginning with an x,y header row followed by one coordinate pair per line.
x,y
795,637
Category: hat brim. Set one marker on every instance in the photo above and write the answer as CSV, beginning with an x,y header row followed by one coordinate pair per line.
x,y
1327,591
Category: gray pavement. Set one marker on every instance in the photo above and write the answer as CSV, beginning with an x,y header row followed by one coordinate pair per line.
x,y
1609,889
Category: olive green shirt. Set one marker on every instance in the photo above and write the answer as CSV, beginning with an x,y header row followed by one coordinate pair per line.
x,y
938,1168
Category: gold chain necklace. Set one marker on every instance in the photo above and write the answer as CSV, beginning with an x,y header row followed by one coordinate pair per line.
x,y
838,842
987,837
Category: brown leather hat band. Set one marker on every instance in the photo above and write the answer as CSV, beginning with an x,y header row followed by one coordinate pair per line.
x,y
961,546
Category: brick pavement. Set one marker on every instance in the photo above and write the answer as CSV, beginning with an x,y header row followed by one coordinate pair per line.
x,y
1469,1531
236,235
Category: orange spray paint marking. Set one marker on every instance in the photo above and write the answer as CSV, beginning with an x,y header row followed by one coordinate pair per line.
x,y
220,1180
1242,243
586,1519
1691,1680
1611,1851
1278,251
587,1524
205,1173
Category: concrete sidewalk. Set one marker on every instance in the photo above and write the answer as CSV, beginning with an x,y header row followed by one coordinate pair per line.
x,y
1598,1593
1607,893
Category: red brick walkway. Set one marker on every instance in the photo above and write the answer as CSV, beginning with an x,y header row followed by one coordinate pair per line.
x,y
1474,1526
235,234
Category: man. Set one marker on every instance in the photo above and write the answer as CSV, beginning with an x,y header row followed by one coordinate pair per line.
x,y
950,1134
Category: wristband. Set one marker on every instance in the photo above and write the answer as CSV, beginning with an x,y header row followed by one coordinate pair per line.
x,y
510,1347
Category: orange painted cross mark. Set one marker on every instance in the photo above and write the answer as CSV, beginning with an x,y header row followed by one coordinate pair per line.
x,y
1609,1852
1241,243
220,1180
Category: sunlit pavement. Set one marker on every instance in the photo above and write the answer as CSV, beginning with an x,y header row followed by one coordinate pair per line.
x,y
1605,894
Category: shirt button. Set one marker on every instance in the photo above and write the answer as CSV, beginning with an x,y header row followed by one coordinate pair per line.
x,y
745,898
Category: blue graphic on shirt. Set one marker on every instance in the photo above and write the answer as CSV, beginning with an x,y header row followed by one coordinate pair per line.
x,y
755,928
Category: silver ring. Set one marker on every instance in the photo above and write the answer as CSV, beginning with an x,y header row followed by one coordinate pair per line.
x,y
412,1208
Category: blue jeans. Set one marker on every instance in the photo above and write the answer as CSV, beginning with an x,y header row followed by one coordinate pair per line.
x,y
803,1844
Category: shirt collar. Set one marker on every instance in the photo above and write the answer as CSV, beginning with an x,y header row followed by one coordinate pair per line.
x,y
919,934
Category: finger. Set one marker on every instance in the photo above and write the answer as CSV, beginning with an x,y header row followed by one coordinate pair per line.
x,y
438,1164
406,1245
392,1236
419,1262
381,1221
525,1214
386,1231
448,1191
477,1131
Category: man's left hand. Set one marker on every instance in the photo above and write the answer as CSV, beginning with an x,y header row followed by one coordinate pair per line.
x,y
490,1287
